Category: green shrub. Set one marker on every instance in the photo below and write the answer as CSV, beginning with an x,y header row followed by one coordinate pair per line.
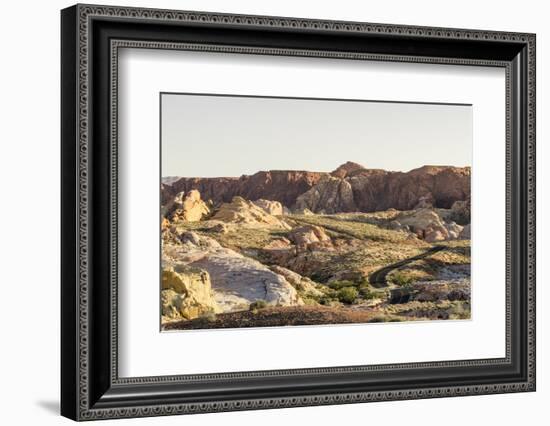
x,y
320,276
362,281
401,279
326,300
347,295
257,305
366,292
339,284
311,301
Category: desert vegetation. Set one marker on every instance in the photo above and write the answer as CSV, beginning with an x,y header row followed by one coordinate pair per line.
x,y
302,248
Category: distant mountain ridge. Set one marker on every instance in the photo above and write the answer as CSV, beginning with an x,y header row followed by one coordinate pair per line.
x,y
349,188
169,180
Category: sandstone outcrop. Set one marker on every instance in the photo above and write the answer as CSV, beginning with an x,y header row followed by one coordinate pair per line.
x,y
460,211
308,234
187,207
243,211
453,229
425,202
367,190
330,195
347,169
236,280
277,185
279,251
300,283
435,234
428,225
349,188
278,244
186,293
274,208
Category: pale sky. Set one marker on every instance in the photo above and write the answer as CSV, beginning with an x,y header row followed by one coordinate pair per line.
x,y
212,136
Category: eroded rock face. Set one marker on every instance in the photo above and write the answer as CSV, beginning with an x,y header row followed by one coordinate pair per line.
x,y
461,211
422,221
435,234
308,234
425,202
347,169
454,230
274,208
237,281
330,195
279,250
187,207
188,281
349,188
299,282
277,185
311,252
244,211
367,190
428,225
186,293
171,303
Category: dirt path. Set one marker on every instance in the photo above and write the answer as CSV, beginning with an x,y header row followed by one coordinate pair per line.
x,y
378,278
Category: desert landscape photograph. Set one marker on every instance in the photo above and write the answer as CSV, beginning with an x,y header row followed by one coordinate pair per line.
x,y
302,212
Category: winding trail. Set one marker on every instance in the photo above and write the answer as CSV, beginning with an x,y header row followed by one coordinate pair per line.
x,y
378,278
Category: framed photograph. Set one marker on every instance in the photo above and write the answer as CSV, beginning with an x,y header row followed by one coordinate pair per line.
x,y
285,237
263,212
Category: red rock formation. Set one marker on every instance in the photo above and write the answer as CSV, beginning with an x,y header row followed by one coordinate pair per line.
x,y
403,191
347,170
348,188
275,185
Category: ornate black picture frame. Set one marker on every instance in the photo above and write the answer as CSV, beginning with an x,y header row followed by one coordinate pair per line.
x,y
90,38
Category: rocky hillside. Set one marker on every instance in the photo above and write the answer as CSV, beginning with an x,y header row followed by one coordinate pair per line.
x,y
349,188
201,276
276,185
251,264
